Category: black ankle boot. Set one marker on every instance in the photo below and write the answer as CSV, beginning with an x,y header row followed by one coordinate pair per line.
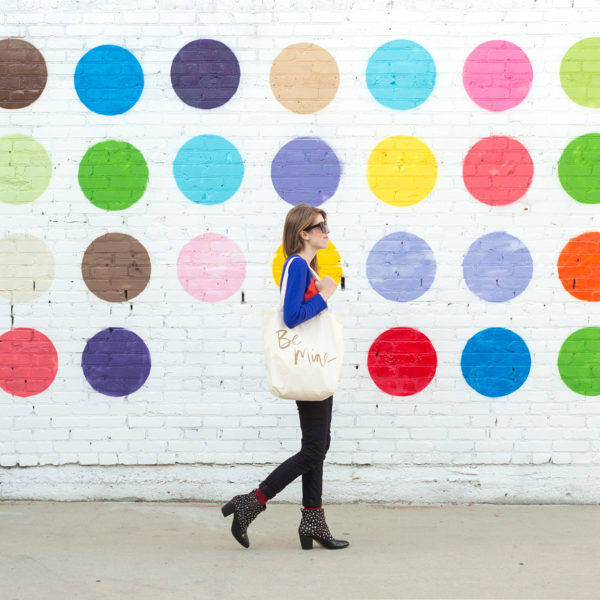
x,y
313,527
245,509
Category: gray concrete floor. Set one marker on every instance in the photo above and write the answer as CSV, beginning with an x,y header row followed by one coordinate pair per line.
x,y
92,550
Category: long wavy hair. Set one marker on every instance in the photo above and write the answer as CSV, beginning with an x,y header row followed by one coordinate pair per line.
x,y
297,219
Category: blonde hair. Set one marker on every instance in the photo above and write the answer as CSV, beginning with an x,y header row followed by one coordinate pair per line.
x,y
298,219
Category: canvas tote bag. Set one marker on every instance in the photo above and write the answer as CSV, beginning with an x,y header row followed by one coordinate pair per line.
x,y
303,363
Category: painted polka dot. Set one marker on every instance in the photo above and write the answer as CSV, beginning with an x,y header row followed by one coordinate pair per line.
x,y
497,170
578,169
26,268
208,169
304,78
305,170
205,74
25,169
580,72
23,73
402,361
579,266
113,175
495,362
401,170
579,360
401,74
330,264
497,75
401,267
498,267
109,80
116,267
28,362
116,362
211,267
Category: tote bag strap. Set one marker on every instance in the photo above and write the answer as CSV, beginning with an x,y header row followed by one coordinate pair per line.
x,y
284,283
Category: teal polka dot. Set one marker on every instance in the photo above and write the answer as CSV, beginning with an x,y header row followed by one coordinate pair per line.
x,y
401,74
208,169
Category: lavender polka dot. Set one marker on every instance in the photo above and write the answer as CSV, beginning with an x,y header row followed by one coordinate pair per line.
x,y
205,73
401,267
497,267
305,170
116,362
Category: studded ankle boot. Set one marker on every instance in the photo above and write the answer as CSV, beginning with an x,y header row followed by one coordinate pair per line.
x,y
245,509
313,527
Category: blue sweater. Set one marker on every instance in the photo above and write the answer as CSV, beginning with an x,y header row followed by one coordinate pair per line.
x,y
296,309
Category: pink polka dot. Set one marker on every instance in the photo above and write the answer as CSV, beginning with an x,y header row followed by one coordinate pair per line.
x,y
497,75
211,267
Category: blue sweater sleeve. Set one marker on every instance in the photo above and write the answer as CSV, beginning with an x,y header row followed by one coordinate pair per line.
x,y
295,309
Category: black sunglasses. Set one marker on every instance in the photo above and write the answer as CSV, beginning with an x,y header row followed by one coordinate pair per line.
x,y
322,226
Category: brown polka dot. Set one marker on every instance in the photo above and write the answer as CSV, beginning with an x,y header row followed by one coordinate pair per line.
x,y
304,78
116,267
23,73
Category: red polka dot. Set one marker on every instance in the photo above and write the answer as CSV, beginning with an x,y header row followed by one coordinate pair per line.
x,y
497,170
28,362
402,361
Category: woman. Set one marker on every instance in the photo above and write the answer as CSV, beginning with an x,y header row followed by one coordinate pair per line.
x,y
304,234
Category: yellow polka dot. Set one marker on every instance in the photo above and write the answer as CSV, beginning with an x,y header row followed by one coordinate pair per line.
x,y
401,170
330,263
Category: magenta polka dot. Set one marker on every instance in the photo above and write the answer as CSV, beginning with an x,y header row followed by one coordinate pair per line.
x,y
497,75
211,267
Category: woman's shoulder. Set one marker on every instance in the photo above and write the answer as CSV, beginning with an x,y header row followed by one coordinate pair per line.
x,y
298,264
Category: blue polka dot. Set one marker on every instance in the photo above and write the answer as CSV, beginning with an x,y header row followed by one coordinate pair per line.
x,y
401,74
495,362
208,169
109,80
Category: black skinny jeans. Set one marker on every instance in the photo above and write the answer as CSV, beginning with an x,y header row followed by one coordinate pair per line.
x,y
315,423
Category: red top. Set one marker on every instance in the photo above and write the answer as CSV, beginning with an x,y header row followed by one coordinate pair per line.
x,y
311,290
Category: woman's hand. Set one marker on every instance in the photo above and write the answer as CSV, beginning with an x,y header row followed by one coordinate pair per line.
x,y
326,287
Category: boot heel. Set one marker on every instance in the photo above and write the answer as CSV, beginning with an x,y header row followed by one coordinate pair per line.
x,y
227,509
306,542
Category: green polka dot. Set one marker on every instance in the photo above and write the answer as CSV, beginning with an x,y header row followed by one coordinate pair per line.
x,y
25,169
579,361
579,169
580,72
113,175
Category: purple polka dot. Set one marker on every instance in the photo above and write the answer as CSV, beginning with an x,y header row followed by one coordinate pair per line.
x,y
306,170
205,74
116,362
497,267
401,266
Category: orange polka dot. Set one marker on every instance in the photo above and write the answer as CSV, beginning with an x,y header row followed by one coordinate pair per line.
x,y
579,266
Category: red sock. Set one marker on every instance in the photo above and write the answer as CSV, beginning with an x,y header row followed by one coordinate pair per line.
x,y
260,496
313,507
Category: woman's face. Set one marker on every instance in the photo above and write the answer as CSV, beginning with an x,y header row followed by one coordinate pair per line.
x,y
317,238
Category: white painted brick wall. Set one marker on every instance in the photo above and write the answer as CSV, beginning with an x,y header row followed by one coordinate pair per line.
x,y
204,414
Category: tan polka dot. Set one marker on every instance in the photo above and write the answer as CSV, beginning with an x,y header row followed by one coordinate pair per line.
x,y
26,268
304,78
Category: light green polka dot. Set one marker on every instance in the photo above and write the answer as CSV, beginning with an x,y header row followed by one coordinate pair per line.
x,y
580,72
25,169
